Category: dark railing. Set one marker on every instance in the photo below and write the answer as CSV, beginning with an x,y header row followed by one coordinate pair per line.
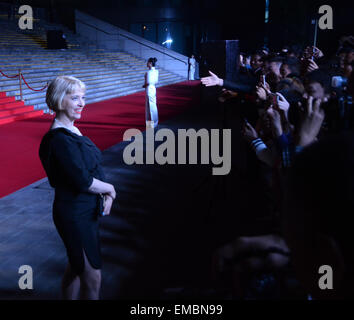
x,y
123,35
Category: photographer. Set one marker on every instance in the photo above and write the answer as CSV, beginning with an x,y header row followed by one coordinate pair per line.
x,y
319,197
271,68
310,60
241,90
290,68
247,80
316,225
293,115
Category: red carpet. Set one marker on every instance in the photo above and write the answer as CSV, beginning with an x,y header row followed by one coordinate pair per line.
x,y
103,122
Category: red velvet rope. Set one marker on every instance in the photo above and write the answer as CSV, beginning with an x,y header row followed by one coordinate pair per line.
x,y
10,77
32,88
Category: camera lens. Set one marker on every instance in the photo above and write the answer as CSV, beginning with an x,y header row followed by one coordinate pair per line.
x,y
339,82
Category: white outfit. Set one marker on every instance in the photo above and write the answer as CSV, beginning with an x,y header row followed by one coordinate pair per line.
x,y
152,77
191,69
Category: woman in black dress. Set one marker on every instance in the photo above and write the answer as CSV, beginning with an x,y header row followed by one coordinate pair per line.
x,y
72,164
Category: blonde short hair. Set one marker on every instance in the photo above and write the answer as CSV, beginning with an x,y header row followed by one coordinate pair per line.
x,y
58,88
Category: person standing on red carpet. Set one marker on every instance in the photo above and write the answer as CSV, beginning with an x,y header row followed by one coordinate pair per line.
x,y
191,72
151,78
72,163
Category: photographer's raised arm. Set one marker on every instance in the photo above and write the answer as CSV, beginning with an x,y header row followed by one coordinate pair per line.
x,y
311,122
214,80
262,151
238,86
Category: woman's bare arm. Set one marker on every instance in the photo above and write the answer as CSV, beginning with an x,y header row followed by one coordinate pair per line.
x,y
99,186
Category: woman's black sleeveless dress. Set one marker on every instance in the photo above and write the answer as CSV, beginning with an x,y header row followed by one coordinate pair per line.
x,y
71,162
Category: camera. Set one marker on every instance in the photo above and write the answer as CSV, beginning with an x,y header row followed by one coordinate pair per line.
x,y
339,82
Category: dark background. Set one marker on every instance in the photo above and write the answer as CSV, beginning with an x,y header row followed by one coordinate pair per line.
x,y
194,21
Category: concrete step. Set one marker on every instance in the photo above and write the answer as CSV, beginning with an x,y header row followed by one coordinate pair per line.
x,y
62,58
39,102
88,79
39,81
62,64
108,94
65,65
95,84
94,88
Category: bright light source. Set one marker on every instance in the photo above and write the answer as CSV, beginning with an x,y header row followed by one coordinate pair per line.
x,y
168,41
266,16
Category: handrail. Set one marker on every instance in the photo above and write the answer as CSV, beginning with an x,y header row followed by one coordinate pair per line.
x,y
99,29
120,34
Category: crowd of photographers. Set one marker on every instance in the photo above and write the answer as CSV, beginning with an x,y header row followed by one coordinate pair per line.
x,y
296,109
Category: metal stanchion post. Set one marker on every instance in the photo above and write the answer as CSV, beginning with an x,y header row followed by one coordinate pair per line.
x,y
19,77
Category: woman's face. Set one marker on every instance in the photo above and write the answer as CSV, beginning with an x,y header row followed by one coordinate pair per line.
x,y
73,104
149,64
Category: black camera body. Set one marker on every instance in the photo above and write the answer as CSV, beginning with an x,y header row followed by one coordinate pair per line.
x,y
339,114
343,113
